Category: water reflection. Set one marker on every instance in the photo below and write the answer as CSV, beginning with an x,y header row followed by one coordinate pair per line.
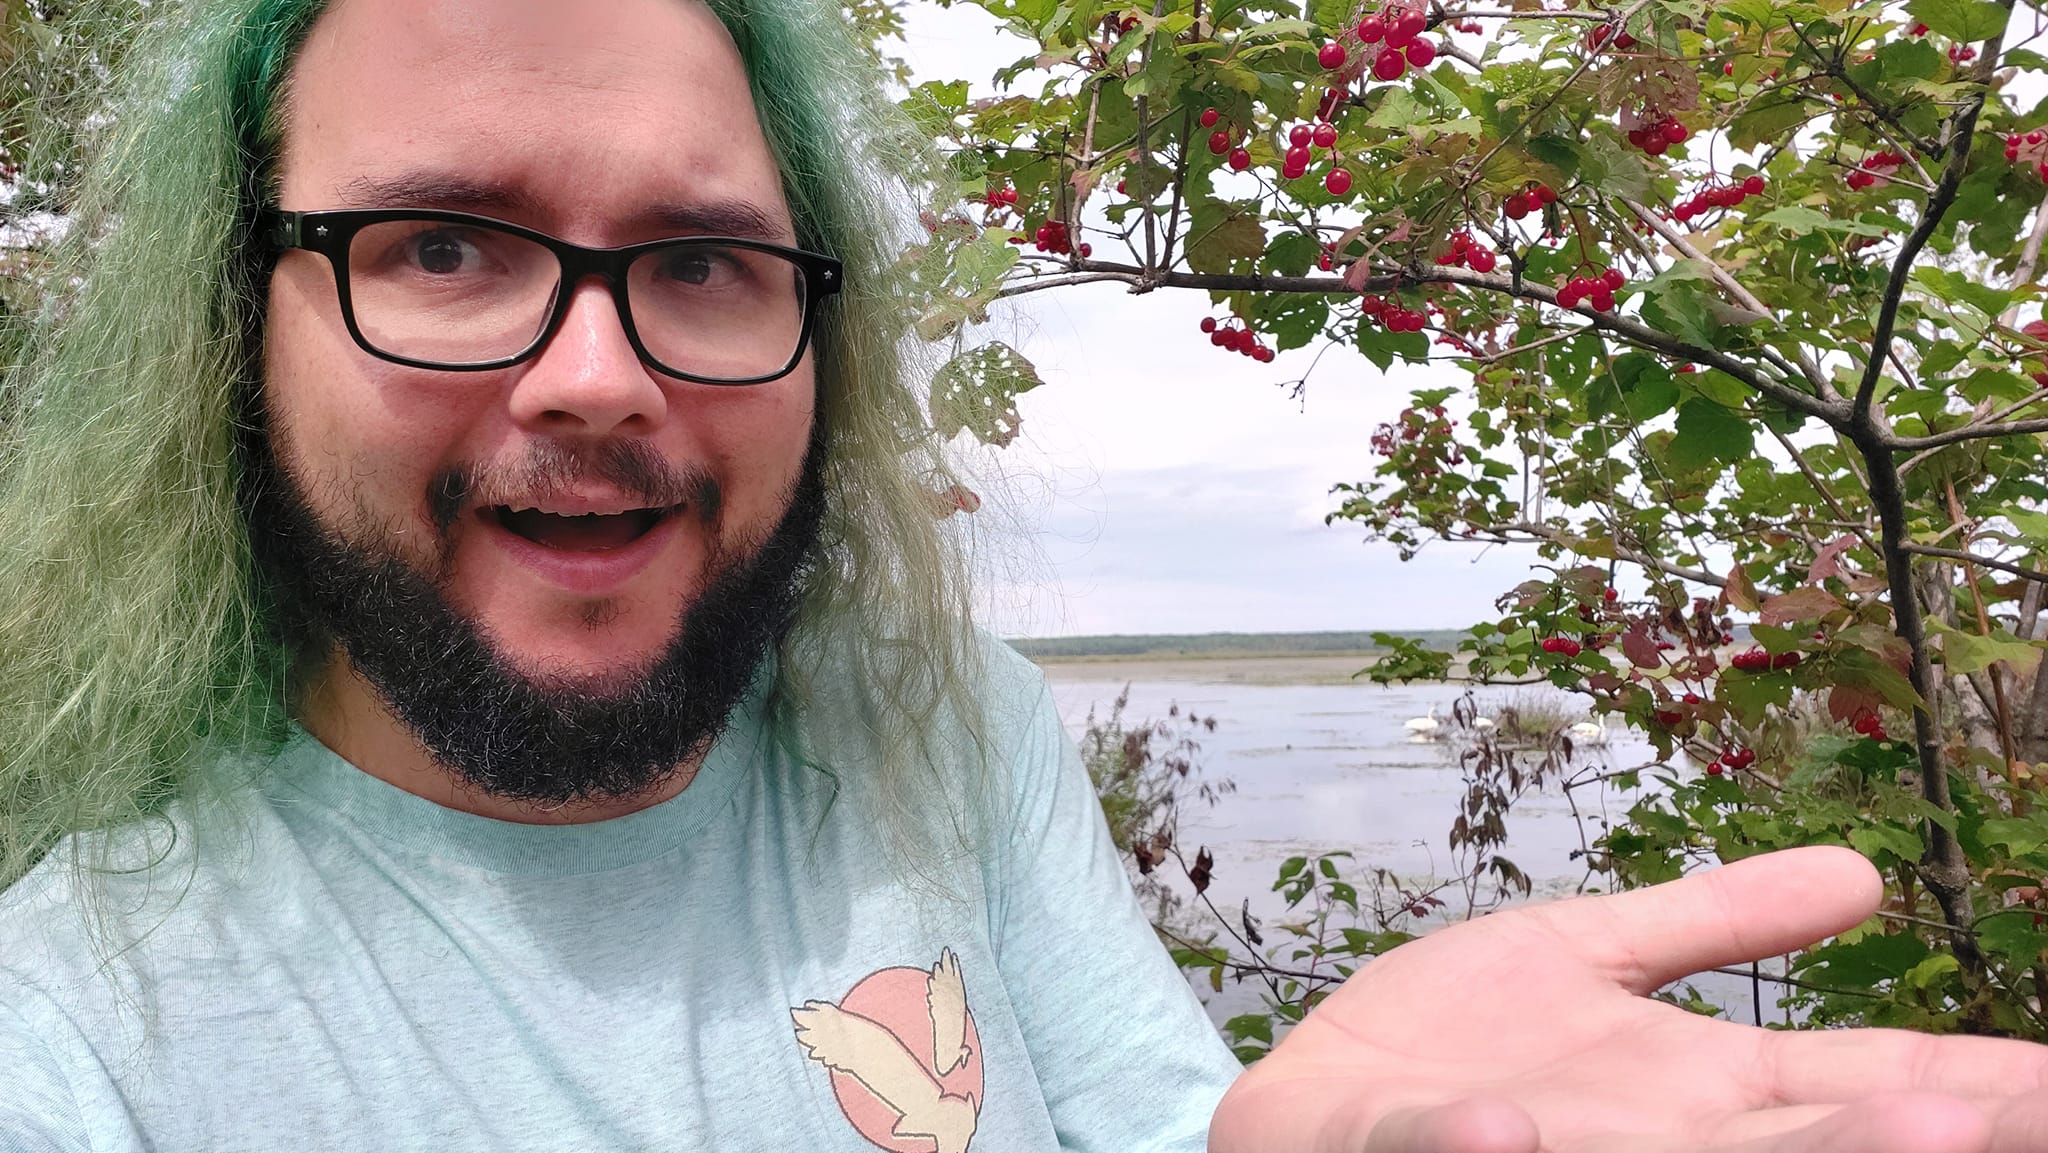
x,y
1324,767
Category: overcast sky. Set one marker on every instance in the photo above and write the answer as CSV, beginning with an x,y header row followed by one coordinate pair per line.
x,y
1163,485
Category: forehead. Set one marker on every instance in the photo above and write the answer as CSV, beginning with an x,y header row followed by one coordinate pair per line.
x,y
580,117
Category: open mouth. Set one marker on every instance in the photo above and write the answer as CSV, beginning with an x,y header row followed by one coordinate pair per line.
x,y
590,532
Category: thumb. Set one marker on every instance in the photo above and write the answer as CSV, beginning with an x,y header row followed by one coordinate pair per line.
x,y
1758,907
1470,1125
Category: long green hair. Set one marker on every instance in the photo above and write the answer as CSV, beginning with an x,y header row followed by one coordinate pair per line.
x,y
136,643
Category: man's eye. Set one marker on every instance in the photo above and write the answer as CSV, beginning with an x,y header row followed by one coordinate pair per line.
x,y
443,253
700,267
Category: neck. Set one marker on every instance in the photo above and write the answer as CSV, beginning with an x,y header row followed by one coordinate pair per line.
x,y
349,717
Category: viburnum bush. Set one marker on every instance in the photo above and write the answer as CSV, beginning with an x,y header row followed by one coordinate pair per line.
x,y
1739,297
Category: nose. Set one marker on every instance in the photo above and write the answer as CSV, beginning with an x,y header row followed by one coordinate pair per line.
x,y
588,381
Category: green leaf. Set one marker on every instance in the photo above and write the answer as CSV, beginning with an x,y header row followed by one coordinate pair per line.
x,y
1710,434
1964,20
977,390
1796,219
2020,835
1875,840
1864,964
1963,652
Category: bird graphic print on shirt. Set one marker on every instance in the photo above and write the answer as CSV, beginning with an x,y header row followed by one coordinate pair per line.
x,y
903,1055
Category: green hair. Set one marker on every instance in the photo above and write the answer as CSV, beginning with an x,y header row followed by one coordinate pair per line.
x,y
137,644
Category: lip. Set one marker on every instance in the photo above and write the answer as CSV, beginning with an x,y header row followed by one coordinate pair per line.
x,y
584,573
603,502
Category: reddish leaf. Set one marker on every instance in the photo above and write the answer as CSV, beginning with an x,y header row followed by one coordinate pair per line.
x,y
1846,703
1741,593
1199,875
1801,604
1640,647
1828,562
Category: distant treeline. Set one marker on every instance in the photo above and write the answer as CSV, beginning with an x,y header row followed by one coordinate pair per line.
x,y
1219,644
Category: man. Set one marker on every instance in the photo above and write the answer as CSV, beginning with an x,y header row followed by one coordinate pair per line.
x,y
479,674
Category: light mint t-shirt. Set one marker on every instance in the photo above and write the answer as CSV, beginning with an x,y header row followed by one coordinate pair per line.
x,y
354,967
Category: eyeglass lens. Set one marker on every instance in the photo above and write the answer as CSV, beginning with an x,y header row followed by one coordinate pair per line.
x,y
458,294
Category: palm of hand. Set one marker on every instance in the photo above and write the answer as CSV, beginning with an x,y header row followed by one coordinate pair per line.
x,y
1528,1031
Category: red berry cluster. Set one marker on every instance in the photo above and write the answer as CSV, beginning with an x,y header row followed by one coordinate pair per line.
x,y
1001,198
1467,26
1918,30
1731,759
1562,646
1398,33
1599,37
1596,291
1239,340
1869,724
1392,314
1655,136
1874,170
2030,144
1961,53
1468,253
1728,195
1052,236
1533,198
1757,660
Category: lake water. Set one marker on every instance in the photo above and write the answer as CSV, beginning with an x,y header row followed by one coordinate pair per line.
x,y
1321,767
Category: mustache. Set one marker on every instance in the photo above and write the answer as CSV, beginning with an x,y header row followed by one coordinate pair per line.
x,y
552,468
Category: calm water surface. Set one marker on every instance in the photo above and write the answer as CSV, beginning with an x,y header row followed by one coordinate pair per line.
x,y
1322,767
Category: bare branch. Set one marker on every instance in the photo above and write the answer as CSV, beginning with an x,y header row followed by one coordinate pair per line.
x,y
1976,558
1507,534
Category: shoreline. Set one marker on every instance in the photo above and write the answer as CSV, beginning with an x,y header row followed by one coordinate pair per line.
x,y
1220,669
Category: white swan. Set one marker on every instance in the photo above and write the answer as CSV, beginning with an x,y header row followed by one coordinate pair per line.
x,y
1484,724
1427,726
1588,733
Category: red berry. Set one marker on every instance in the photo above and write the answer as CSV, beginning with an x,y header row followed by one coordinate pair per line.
x,y
1208,324
1480,259
1611,279
1219,142
1421,53
1405,28
1209,117
1516,206
1324,135
1674,132
1298,135
1542,193
1297,156
1728,69
1389,64
1372,30
1609,596
1332,56
1713,768
1338,181
1753,185
2034,137
1240,160
1601,300
1655,144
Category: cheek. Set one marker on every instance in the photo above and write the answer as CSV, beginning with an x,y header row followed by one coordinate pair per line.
x,y
763,442
358,439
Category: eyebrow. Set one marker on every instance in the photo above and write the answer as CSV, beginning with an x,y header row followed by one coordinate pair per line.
x,y
453,193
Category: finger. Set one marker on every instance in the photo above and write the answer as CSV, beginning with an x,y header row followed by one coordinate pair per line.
x,y
1755,908
1836,1065
1903,1123
1471,1125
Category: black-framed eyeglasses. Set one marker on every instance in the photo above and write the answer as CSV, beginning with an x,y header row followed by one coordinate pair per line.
x,y
467,293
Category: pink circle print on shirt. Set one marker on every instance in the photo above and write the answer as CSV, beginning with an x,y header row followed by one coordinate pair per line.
x,y
904,1056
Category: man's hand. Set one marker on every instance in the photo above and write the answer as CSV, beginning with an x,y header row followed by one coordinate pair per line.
x,y
1530,1031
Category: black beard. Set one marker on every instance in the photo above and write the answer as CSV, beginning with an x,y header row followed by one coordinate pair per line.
x,y
504,733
